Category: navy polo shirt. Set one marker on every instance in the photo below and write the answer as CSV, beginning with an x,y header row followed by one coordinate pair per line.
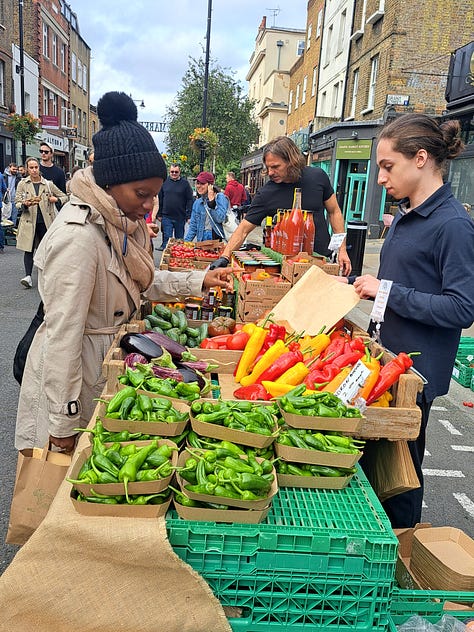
x,y
429,255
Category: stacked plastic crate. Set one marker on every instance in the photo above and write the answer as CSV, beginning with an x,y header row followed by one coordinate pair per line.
x,y
322,560
463,365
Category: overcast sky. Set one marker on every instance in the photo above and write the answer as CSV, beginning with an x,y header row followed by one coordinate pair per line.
x,y
143,47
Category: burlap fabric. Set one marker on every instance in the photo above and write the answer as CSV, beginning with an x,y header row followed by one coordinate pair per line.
x,y
86,574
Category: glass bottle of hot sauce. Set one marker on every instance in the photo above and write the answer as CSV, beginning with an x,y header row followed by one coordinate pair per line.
x,y
283,234
274,243
309,232
267,232
295,226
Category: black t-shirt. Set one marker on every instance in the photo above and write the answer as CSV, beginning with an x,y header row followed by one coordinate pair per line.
x,y
56,175
315,190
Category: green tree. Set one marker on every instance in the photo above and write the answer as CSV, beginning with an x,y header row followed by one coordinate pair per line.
x,y
228,116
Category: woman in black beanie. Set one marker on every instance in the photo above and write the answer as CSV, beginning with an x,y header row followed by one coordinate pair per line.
x,y
93,267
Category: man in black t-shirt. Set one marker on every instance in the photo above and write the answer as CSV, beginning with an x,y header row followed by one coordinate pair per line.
x,y
48,170
286,169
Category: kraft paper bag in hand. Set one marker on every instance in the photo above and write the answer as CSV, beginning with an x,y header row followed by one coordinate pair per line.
x,y
39,473
389,467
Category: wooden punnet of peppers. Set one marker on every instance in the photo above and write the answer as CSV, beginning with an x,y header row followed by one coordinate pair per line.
x,y
318,448
218,475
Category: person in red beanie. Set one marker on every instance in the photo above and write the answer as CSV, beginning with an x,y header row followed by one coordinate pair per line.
x,y
209,210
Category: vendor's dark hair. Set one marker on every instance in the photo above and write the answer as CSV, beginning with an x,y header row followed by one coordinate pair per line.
x,y
286,149
412,132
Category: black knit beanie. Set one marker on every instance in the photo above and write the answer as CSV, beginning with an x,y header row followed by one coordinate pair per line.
x,y
124,151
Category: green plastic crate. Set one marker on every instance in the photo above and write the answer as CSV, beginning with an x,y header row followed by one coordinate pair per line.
x,y
462,372
428,604
289,604
339,533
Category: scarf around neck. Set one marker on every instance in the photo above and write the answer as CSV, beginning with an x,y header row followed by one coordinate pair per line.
x,y
129,239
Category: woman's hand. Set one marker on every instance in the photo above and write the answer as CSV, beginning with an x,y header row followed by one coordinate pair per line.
x,y
211,194
221,277
53,199
65,444
366,286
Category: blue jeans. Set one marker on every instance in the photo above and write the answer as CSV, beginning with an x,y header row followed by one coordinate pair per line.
x,y
170,225
2,238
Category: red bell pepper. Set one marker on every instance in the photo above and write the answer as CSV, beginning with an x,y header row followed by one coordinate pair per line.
x,y
335,347
317,377
281,364
252,393
389,374
358,344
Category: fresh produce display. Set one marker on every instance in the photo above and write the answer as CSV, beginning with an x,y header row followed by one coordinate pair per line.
x,y
182,499
244,416
125,464
173,325
128,404
195,441
218,472
189,250
321,441
132,499
317,404
107,436
308,469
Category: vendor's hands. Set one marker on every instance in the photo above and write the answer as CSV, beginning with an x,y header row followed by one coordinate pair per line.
x,y
345,265
222,262
366,286
220,277
65,444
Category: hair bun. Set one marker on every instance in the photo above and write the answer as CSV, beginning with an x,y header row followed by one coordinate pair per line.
x,y
114,107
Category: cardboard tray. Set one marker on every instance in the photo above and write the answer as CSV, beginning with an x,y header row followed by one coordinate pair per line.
x,y
232,502
245,516
146,427
240,437
316,457
346,425
226,360
117,489
120,511
314,482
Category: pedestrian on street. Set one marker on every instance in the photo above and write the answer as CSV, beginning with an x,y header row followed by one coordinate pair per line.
x,y
50,171
234,190
37,199
209,210
3,188
94,264
12,178
175,204
286,168
428,254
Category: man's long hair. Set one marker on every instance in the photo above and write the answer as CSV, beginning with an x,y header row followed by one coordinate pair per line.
x,y
286,149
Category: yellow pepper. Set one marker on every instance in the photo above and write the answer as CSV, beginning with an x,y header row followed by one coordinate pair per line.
x,y
383,400
295,375
249,328
277,390
316,345
251,351
271,354
338,380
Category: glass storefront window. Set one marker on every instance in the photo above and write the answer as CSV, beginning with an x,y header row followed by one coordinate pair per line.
x,y
462,181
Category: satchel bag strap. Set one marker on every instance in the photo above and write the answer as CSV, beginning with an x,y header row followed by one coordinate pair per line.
x,y
214,225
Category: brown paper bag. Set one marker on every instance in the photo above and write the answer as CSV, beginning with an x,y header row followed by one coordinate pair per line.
x,y
389,467
39,473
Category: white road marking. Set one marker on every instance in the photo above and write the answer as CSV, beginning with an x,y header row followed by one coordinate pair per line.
x,y
438,408
427,453
463,448
424,505
449,427
446,473
465,502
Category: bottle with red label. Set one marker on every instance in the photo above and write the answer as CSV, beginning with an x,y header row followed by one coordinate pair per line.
x,y
283,233
267,232
309,232
295,227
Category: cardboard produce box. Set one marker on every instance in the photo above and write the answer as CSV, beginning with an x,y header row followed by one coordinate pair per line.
x,y
316,457
253,311
314,482
119,511
293,268
245,516
256,289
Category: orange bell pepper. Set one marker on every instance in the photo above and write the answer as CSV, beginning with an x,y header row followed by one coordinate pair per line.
x,y
373,364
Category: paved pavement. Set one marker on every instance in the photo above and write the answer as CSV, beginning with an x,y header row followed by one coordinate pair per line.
x,y
449,497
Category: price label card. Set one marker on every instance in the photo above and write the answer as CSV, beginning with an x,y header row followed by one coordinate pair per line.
x,y
380,302
336,241
353,382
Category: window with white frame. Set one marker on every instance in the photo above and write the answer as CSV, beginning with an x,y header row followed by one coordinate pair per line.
x,y
2,82
342,32
313,81
335,100
84,124
327,57
290,102
297,97
54,49
84,78
45,101
55,104
79,73
355,88
323,103
64,113
45,40
305,87
320,23
73,116
79,122
74,67
308,35
374,68
300,48
62,61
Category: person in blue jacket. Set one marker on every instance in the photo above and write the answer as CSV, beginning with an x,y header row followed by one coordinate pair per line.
x,y
208,212
428,254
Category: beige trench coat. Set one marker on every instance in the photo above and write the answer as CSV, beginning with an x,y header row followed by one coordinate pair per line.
x,y
81,282
27,224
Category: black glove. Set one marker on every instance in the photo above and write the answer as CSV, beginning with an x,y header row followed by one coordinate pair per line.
x,y
222,262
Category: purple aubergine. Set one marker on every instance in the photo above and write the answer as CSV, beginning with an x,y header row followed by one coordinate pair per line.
x,y
139,343
200,365
131,359
189,375
164,372
171,346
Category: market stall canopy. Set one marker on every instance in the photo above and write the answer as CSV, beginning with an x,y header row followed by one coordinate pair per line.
x,y
317,300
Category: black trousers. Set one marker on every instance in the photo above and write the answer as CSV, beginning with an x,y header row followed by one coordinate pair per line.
x,y
404,510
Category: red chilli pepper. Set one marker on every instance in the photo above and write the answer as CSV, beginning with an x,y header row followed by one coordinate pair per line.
x,y
390,373
281,364
252,393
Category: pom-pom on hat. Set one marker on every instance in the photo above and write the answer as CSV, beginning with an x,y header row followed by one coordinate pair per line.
x,y
124,151
205,177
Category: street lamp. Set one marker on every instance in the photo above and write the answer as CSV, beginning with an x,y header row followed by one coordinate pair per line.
x,y
22,75
206,80
141,102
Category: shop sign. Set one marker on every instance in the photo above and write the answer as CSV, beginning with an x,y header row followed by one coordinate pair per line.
x,y
49,122
252,162
322,156
353,149
398,99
